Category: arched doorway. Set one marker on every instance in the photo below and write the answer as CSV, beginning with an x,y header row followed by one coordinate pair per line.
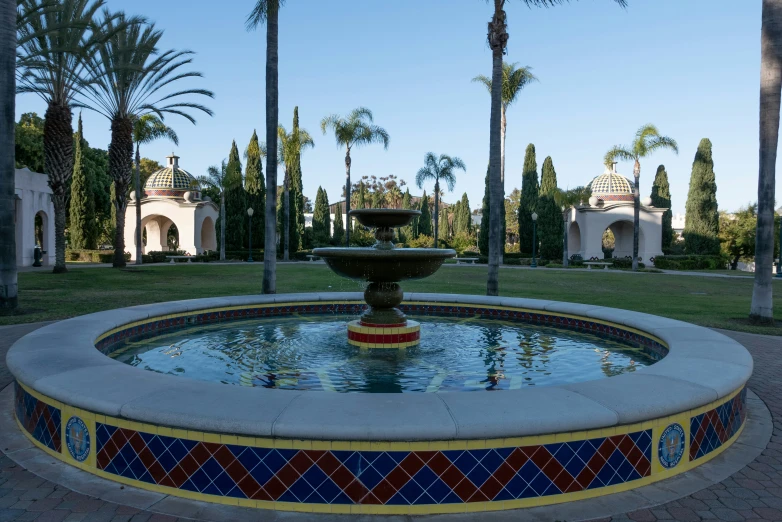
x,y
208,235
41,233
574,239
159,234
622,232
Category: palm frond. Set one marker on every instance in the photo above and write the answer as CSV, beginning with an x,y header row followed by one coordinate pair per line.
x,y
129,76
662,142
485,80
617,152
260,12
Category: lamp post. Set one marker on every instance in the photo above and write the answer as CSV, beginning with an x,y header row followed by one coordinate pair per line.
x,y
534,263
250,222
564,237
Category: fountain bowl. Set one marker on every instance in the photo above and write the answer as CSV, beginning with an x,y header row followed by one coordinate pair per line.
x,y
384,266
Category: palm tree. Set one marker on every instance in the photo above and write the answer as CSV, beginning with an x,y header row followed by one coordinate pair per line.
x,y
220,180
355,130
513,81
55,44
146,129
395,196
291,145
647,140
127,85
8,276
437,169
497,38
762,308
267,12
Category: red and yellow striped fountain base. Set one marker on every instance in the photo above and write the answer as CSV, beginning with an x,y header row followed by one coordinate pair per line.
x,y
401,335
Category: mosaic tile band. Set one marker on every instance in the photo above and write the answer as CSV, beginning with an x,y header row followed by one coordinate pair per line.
x,y
278,474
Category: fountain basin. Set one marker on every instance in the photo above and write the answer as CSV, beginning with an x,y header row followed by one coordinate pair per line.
x,y
384,266
627,431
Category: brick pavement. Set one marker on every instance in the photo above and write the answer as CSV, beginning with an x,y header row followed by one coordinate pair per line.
x,y
753,494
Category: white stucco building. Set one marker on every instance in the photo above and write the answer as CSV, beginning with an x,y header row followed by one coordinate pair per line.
x,y
611,207
34,217
172,196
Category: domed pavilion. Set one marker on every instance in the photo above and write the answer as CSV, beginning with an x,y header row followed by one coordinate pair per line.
x,y
172,197
611,208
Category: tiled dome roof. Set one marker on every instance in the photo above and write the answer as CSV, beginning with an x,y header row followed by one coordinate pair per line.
x,y
172,177
611,183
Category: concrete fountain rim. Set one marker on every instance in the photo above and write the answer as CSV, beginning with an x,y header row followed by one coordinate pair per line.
x,y
60,361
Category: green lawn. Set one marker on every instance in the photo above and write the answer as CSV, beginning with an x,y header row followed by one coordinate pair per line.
x,y
708,301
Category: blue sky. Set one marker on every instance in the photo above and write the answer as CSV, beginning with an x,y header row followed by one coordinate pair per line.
x,y
690,67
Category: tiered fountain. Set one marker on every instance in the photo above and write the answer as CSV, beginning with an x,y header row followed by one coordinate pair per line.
x,y
383,325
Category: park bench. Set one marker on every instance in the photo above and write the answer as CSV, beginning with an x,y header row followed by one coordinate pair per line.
x,y
466,260
312,257
589,264
173,258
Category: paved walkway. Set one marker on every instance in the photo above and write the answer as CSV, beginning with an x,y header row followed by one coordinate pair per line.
x,y
752,494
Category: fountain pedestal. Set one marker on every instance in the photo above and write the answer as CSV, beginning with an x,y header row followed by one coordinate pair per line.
x,y
383,325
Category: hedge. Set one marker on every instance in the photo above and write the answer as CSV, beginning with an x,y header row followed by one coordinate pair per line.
x,y
92,256
691,262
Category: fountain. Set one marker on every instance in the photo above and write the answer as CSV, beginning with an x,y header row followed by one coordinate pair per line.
x,y
383,266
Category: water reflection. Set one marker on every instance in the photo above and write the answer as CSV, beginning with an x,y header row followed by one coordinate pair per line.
x,y
311,353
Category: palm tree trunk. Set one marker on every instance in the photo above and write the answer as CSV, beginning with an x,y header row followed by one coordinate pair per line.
x,y
347,198
565,254
498,38
436,211
762,309
636,212
8,277
138,207
272,119
222,225
58,162
287,214
502,148
120,168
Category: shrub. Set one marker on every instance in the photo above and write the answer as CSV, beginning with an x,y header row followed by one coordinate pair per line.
x,y
554,265
421,241
691,262
462,242
92,256
625,263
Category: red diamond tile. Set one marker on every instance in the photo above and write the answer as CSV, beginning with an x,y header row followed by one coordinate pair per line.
x,y
355,491
236,471
438,463
452,477
371,499
249,486
384,491
200,454
178,475
189,464
465,490
342,477
275,488
504,473
412,464
491,487
287,475
301,462
397,477
517,459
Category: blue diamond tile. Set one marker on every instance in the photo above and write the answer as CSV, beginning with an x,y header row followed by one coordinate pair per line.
x,y
465,462
248,458
370,477
314,476
438,490
275,461
301,489
385,463
540,484
342,498
451,498
212,468
224,483
328,491
398,500
492,460
478,475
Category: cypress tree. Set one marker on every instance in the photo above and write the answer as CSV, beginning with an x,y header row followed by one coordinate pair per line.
x,y
701,227
255,188
530,192
483,234
339,227
407,232
321,220
235,204
83,233
549,215
296,196
425,221
360,201
466,219
661,198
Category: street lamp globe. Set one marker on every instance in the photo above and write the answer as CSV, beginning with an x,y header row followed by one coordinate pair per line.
x,y
250,212
534,216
